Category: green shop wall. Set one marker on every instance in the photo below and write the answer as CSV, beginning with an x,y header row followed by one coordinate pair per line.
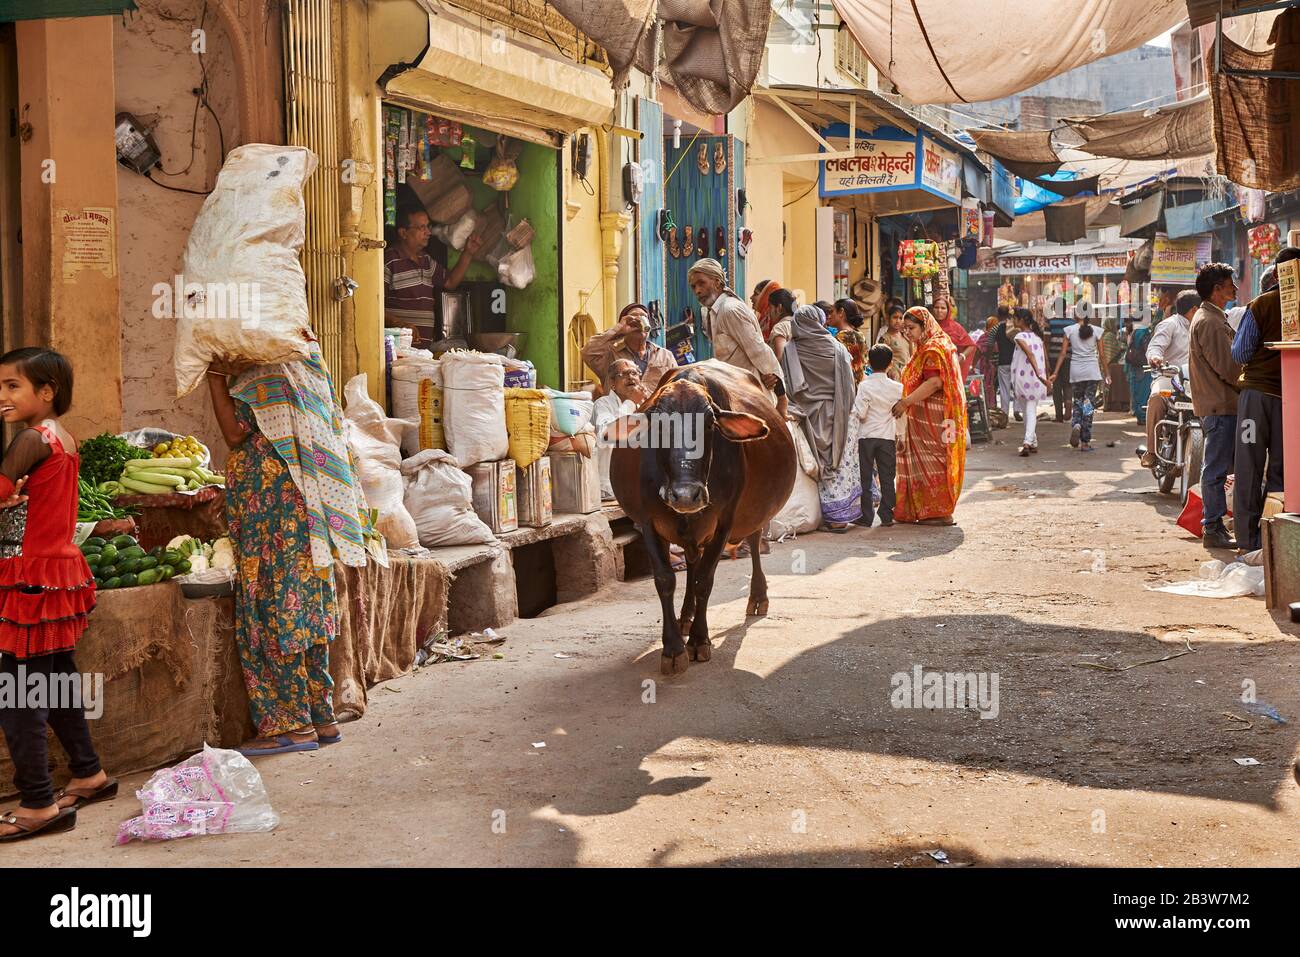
x,y
534,311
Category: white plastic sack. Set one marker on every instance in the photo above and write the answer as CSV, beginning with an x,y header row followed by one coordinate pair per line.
x,y
245,292
808,464
802,511
474,407
374,440
570,411
457,234
439,497
518,269
408,372
1221,581
217,791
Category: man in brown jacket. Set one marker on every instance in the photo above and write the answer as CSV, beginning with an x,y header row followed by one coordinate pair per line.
x,y
1214,395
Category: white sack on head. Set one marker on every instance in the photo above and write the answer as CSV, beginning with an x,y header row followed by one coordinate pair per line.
x,y
244,294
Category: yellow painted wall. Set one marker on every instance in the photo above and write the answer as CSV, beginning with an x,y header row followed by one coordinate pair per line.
x,y
784,245
583,265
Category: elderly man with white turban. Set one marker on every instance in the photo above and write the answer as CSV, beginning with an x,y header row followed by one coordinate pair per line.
x,y
733,328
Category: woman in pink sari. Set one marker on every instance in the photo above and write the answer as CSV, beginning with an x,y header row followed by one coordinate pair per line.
x,y
932,464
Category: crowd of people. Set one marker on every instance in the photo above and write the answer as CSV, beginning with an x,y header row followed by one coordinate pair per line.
x,y
885,420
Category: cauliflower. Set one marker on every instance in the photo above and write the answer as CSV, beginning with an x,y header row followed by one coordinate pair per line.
x,y
223,554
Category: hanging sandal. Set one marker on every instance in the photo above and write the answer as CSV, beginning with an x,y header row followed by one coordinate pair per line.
x,y
719,158
702,159
83,796
674,249
702,242
720,242
688,243
65,820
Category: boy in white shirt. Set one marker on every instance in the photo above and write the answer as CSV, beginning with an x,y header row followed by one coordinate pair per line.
x,y
877,435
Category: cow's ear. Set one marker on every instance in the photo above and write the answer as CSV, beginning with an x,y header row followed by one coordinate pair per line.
x,y
740,426
621,430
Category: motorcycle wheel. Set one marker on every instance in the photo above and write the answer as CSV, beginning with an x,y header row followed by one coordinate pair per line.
x,y
1195,457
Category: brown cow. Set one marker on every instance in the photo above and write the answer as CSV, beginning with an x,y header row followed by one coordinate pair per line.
x,y
727,472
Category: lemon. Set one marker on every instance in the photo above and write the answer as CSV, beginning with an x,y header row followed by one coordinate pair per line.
x,y
160,448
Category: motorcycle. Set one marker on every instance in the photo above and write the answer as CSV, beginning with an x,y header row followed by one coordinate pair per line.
x,y
1180,443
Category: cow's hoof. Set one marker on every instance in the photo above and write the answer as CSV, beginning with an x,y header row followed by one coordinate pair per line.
x,y
756,608
673,664
701,652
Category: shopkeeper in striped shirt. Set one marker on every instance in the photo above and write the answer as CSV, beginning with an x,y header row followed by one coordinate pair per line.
x,y
413,279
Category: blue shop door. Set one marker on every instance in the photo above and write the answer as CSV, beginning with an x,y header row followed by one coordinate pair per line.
x,y
701,192
651,249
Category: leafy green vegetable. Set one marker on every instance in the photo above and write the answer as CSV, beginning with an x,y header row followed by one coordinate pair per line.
x,y
104,457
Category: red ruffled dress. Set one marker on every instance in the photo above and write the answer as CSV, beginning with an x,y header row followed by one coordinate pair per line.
x,y
46,588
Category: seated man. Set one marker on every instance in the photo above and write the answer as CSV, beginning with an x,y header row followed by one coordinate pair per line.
x,y
1168,351
624,393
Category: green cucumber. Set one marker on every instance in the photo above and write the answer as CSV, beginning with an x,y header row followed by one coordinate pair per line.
x,y
107,571
148,562
128,580
131,566
96,541
150,576
109,552
135,551
93,560
167,571
124,541
182,568
112,583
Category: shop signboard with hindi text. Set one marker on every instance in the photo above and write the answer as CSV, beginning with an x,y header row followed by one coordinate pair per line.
x,y
1025,265
940,170
1176,261
884,162
1101,264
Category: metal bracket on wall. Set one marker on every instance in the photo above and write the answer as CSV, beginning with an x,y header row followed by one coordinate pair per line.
x,y
1218,42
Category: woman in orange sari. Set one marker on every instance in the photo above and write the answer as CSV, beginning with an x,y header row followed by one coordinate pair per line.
x,y
932,464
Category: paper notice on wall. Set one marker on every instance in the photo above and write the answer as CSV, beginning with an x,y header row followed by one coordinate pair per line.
x,y
1288,285
89,241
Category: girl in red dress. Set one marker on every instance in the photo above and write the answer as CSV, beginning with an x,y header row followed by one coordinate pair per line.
x,y
46,592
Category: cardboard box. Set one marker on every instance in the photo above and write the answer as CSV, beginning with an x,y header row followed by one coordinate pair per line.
x,y
494,495
536,505
1288,285
575,481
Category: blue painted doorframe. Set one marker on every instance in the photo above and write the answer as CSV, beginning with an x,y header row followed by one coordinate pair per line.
x,y
651,250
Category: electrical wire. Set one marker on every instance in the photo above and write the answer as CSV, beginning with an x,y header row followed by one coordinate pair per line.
x,y
200,102
176,189
798,198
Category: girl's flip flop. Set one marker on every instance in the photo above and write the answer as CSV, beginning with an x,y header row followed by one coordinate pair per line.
x,y
83,796
65,820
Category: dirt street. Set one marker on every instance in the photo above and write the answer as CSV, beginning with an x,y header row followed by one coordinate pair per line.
x,y
785,749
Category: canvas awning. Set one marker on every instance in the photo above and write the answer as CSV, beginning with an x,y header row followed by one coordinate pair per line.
x,y
531,94
1143,215
1191,219
969,51
53,9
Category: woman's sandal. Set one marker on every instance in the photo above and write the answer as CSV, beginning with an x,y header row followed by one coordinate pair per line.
x,y
285,744
83,796
65,820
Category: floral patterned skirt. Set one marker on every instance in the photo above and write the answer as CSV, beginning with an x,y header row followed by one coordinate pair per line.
x,y
285,607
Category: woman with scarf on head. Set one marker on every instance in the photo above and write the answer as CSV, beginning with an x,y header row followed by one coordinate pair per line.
x,y
294,507
819,384
932,465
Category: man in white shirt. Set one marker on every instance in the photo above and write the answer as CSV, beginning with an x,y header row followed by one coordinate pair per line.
x,y
624,394
1170,347
733,328
878,433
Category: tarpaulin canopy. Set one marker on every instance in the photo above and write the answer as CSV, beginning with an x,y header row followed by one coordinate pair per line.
x,y
1162,133
944,51
1257,119
712,48
1033,226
